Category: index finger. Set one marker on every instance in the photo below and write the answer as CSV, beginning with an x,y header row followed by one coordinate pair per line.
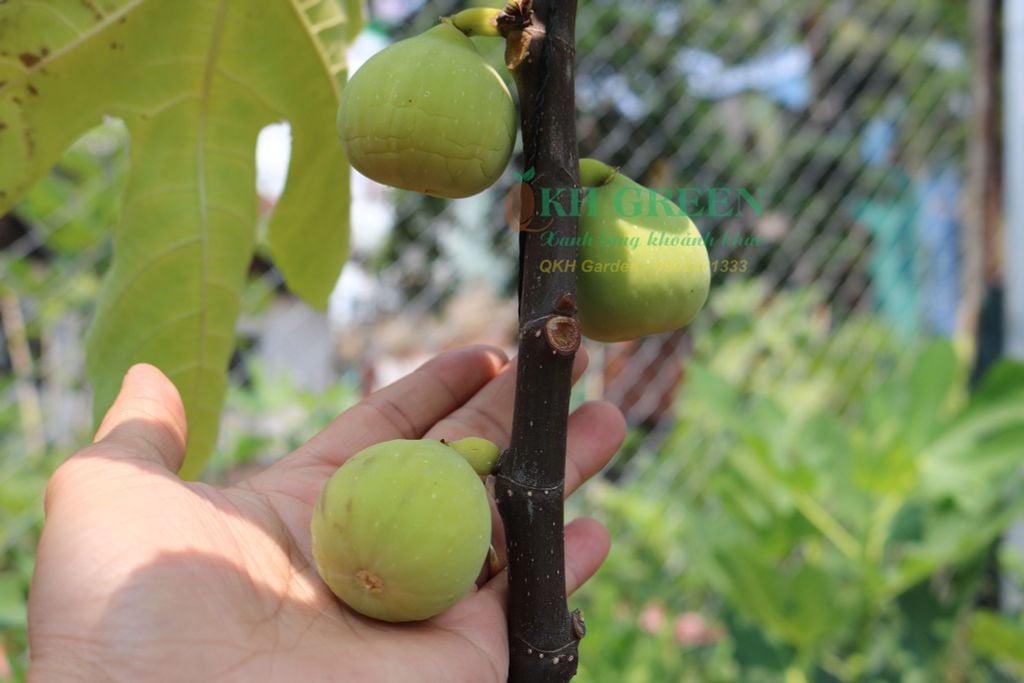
x,y
403,410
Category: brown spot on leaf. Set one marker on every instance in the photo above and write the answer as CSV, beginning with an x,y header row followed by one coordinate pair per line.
x,y
44,51
32,90
2,125
28,59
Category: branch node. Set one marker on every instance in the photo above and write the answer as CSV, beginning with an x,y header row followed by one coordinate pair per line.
x,y
516,16
579,627
516,23
566,652
562,334
565,305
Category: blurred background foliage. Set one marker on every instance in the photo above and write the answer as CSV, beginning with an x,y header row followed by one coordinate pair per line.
x,y
828,523
812,488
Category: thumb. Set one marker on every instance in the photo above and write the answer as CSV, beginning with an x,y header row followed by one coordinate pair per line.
x,y
147,419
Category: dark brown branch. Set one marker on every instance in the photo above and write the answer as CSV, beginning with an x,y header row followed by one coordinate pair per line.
x,y
543,635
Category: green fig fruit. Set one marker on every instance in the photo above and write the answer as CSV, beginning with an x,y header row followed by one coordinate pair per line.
x,y
643,266
401,530
481,454
428,114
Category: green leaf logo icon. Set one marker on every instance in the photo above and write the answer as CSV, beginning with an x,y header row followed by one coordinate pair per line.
x,y
527,175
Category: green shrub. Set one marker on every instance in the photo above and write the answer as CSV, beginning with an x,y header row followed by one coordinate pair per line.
x,y
816,514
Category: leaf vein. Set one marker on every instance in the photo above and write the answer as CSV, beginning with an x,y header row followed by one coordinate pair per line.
x,y
253,92
156,192
162,327
231,212
169,250
57,13
189,367
213,52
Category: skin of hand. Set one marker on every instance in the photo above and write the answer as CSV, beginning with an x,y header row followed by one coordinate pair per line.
x,y
142,577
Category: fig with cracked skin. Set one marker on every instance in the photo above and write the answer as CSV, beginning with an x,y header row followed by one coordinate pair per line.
x,y
428,114
401,530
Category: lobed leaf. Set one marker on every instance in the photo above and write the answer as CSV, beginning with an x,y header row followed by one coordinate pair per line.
x,y
194,82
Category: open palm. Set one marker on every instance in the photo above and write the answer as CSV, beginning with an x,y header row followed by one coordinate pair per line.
x,y
143,577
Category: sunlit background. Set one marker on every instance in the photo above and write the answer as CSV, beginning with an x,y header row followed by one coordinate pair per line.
x,y
807,492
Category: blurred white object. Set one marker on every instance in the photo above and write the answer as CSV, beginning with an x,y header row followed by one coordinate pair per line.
x,y
614,90
373,211
293,341
782,74
1014,234
273,152
369,42
372,214
358,298
394,11
465,241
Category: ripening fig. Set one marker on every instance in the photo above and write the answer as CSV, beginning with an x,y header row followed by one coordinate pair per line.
x,y
644,267
401,530
428,114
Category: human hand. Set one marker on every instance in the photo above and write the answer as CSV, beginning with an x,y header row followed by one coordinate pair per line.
x,y
141,576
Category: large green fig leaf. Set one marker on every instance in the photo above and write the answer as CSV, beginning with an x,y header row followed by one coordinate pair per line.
x,y
194,82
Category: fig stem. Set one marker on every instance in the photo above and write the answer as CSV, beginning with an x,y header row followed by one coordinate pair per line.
x,y
594,173
478,21
480,453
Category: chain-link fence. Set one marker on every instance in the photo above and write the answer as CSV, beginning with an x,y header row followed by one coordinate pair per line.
x,y
822,147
